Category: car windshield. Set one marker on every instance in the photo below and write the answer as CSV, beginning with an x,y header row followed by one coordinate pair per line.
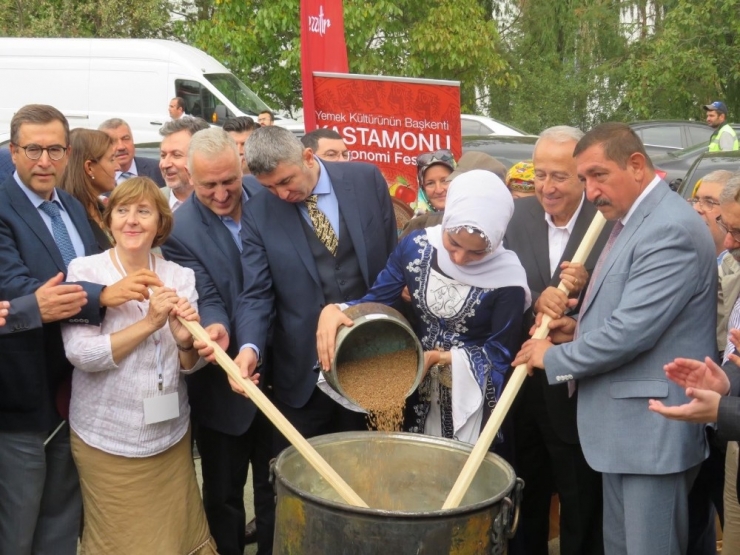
x,y
237,92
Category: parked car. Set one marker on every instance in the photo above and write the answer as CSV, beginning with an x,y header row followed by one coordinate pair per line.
x,y
675,164
507,149
706,163
662,136
472,126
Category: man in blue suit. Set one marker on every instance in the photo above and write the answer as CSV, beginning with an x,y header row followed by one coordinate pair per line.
x,y
652,298
131,165
320,235
228,429
41,230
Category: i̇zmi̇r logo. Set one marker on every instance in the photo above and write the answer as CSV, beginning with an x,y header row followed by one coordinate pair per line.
x,y
318,24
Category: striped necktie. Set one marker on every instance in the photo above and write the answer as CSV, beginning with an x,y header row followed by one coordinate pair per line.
x,y
59,230
321,225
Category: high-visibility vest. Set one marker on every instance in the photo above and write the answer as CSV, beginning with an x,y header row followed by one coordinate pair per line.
x,y
714,140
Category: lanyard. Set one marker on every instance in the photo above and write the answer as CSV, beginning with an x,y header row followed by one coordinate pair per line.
x,y
157,335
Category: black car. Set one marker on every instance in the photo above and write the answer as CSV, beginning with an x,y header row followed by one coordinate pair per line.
x,y
662,136
707,163
676,164
506,149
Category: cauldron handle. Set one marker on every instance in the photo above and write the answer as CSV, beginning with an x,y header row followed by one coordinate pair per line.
x,y
516,496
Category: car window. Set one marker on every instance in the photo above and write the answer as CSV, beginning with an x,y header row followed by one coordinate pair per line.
x,y
199,101
471,127
669,136
699,135
703,167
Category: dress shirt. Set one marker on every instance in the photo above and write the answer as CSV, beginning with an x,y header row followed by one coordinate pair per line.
x,y
327,201
235,227
36,200
558,236
107,408
132,170
173,201
646,192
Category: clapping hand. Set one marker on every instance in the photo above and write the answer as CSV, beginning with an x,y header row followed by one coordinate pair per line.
x,y
705,384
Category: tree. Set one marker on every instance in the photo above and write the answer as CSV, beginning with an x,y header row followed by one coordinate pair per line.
x,y
96,18
444,39
694,60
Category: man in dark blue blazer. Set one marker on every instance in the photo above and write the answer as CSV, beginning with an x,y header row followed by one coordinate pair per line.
x,y
289,271
41,230
131,165
227,428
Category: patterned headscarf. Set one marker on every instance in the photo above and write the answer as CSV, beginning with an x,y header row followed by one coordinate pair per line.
x,y
423,163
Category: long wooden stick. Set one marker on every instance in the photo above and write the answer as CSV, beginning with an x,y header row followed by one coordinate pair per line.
x,y
277,418
515,383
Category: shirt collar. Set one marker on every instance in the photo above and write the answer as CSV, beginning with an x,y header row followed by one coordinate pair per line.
x,y
639,199
132,169
35,199
245,198
323,185
571,223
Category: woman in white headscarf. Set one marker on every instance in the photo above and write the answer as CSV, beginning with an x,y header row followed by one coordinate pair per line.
x,y
468,294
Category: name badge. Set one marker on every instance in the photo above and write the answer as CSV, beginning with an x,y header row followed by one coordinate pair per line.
x,y
161,408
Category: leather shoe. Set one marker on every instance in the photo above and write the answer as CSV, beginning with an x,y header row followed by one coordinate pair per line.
x,y
250,532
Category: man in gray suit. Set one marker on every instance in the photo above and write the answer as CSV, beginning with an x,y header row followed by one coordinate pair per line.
x,y
652,298
545,232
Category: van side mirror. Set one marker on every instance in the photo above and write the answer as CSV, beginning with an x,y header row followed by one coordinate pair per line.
x,y
219,114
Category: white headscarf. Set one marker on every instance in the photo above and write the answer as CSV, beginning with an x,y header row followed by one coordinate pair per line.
x,y
479,200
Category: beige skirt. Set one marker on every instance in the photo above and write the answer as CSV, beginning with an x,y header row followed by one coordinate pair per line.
x,y
141,505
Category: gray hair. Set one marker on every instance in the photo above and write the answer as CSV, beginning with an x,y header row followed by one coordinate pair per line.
x,y
560,134
209,143
269,146
113,123
720,177
186,123
731,191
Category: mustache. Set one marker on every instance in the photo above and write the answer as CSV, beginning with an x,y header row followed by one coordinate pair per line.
x,y
601,201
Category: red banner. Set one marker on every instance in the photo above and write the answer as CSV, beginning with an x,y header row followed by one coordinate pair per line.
x,y
322,48
388,121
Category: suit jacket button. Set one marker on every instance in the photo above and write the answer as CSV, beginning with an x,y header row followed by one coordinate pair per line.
x,y
337,267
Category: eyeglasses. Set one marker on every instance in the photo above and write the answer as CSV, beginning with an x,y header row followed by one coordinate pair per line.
x,y
705,203
734,233
34,152
443,155
336,155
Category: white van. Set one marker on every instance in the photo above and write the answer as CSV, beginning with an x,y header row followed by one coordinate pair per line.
x,y
92,80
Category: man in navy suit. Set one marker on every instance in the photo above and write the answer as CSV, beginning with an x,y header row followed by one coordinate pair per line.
x,y
131,165
41,230
289,271
228,429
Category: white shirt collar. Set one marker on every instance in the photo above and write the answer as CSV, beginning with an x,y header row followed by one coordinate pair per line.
x,y
571,223
639,199
132,169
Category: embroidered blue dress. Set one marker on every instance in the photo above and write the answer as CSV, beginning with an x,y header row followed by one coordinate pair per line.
x,y
480,327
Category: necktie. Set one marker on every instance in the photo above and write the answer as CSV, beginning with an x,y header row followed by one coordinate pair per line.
x,y
616,230
59,230
125,175
321,225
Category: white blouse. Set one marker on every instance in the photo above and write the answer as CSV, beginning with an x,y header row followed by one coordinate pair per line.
x,y
107,407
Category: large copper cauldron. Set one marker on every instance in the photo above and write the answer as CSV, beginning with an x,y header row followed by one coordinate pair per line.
x,y
405,479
